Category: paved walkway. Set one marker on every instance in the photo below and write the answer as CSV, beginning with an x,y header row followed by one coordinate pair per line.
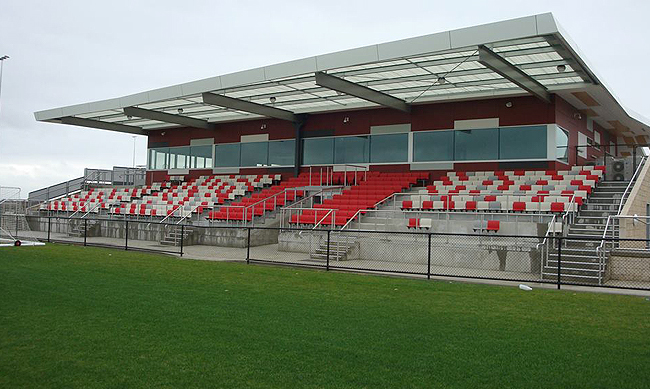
x,y
271,254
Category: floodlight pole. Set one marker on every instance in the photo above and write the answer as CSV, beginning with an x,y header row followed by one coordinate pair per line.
x,y
2,63
133,150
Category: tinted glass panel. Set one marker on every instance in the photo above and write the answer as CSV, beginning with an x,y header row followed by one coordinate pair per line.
x,y
522,142
471,145
282,152
318,151
201,157
561,144
227,155
179,157
254,153
433,146
389,148
351,149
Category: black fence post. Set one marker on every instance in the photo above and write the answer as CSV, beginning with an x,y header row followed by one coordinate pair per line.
x,y
16,226
49,228
85,231
182,237
559,262
429,258
248,245
126,234
327,263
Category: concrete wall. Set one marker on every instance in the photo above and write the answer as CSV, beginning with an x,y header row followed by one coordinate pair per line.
x,y
636,205
629,266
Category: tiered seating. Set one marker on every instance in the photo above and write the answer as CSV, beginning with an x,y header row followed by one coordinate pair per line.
x,y
94,200
341,208
268,199
519,191
195,195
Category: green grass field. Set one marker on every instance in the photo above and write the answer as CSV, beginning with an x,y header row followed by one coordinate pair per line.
x,y
89,317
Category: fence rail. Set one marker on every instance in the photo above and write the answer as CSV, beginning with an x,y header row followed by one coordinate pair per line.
x,y
550,258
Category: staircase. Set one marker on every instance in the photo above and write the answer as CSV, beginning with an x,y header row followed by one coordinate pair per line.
x,y
580,262
339,248
174,235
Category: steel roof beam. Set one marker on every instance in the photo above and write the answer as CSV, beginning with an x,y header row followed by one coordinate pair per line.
x,y
499,65
168,118
250,107
75,121
360,91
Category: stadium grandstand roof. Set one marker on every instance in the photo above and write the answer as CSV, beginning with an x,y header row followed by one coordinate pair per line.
x,y
529,55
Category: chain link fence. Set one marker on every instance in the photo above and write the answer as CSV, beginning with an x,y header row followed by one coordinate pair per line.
x,y
553,259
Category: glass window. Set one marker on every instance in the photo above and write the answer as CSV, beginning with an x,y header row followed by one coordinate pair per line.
x,y
317,151
226,155
527,142
254,153
476,145
561,144
179,157
282,152
433,146
389,148
351,149
158,158
201,157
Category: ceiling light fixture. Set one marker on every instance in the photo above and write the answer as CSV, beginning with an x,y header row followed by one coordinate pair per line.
x,y
180,110
346,119
561,68
129,117
509,104
272,99
577,116
263,127
442,80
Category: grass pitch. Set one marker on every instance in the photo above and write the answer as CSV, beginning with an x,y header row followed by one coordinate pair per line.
x,y
91,317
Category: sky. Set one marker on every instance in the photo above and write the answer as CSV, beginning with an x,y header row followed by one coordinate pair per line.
x,y
68,52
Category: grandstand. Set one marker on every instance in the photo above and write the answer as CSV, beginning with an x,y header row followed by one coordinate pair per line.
x,y
499,130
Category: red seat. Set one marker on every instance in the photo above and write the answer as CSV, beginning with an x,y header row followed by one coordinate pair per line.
x,y
414,223
557,207
493,225
470,205
519,206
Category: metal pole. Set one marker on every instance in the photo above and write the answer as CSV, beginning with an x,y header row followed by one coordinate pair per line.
x,y
429,259
16,226
327,265
85,230
126,234
559,262
49,227
248,246
182,237
133,152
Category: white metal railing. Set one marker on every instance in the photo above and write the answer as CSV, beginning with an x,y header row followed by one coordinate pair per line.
x,y
608,241
543,248
629,185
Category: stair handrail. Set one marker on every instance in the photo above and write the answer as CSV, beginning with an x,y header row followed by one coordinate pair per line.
x,y
571,210
91,209
323,218
629,185
307,198
544,242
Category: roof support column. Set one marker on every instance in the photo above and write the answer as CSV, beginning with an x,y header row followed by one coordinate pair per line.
x,y
298,154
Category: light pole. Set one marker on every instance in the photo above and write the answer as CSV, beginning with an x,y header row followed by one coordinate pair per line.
x,y
133,150
2,63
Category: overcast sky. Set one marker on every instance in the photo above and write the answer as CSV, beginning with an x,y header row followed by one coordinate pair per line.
x,y
69,52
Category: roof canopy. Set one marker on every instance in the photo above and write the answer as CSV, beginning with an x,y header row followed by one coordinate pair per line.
x,y
529,55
